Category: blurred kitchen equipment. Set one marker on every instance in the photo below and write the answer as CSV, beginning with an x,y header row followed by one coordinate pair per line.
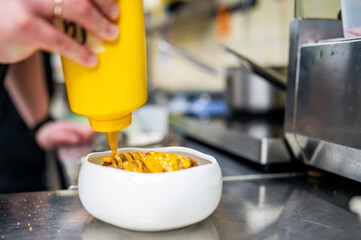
x,y
248,92
351,18
259,140
323,112
256,140
252,88
317,9
150,126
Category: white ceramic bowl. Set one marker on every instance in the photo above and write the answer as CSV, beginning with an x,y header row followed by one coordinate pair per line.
x,y
150,201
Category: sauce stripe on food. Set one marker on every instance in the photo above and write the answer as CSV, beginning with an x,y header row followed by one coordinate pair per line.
x,y
150,162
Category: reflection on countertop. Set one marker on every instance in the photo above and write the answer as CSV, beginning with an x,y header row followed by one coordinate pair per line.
x,y
97,229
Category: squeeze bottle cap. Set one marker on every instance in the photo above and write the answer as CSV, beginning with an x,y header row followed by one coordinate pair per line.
x,y
110,125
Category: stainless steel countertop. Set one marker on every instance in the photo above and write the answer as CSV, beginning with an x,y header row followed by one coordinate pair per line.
x,y
285,208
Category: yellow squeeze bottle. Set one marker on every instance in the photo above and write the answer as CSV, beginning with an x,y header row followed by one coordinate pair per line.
x,y
110,92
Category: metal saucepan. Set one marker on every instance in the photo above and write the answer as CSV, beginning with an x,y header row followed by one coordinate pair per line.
x,y
252,88
248,92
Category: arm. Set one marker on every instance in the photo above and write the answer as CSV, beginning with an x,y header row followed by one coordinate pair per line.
x,y
25,83
27,88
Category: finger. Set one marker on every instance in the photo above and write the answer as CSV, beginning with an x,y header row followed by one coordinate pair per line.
x,y
51,39
84,12
87,15
88,136
73,126
84,131
50,137
65,138
108,7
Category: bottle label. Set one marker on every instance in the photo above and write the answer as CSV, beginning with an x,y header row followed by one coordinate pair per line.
x,y
80,34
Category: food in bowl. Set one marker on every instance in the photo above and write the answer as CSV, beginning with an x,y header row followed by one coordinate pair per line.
x,y
150,162
150,202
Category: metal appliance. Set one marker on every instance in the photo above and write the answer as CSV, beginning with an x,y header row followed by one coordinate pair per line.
x,y
259,141
323,110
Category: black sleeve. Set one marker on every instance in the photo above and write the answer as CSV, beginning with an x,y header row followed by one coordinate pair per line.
x,y
3,70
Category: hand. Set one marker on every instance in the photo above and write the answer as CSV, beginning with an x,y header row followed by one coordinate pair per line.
x,y
59,133
25,27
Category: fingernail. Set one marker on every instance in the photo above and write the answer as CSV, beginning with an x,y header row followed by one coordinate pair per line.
x,y
114,11
92,61
113,30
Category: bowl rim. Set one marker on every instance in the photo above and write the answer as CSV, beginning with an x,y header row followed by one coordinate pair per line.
x,y
191,151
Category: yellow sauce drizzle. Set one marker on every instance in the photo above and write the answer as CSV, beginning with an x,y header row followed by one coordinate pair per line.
x,y
150,162
113,141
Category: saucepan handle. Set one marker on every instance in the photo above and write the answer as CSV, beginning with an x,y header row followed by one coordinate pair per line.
x,y
271,76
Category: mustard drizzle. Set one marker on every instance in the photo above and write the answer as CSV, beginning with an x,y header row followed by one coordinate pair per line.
x,y
153,162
